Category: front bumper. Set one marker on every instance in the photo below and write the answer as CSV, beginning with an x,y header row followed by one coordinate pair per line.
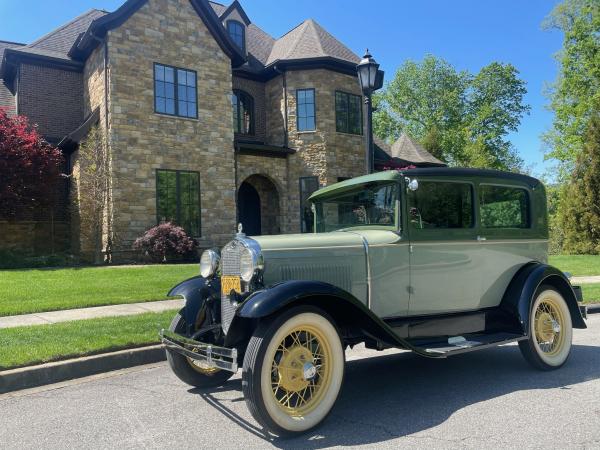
x,y
212,356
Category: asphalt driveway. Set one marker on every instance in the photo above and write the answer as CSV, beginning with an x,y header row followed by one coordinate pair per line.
x,y
490,399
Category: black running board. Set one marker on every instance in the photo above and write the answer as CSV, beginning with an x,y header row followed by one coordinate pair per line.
x,y
456,345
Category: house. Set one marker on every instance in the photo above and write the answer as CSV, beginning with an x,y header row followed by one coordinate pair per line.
x,y
209,121
404,152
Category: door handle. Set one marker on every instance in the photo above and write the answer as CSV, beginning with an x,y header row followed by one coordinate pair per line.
x,y
481,238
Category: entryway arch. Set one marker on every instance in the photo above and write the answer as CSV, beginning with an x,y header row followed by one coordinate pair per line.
x,y
258,206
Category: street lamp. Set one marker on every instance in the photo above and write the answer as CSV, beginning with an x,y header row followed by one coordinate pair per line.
x,y
370,79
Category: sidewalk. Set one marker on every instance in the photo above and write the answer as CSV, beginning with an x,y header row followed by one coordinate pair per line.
x,y
585,280
68,315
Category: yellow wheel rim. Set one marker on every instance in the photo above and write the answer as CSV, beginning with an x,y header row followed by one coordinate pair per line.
x,y
549,325
301,370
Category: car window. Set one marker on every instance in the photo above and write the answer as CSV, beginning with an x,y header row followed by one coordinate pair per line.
x,y
373,205
441,205
503,207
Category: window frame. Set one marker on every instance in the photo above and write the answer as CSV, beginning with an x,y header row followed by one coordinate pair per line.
x,y
242,27
314,104
252,127
176,93
198,232
443,234
348,95
314,177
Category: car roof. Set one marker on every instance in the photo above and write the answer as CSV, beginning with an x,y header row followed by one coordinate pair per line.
x,y
454,172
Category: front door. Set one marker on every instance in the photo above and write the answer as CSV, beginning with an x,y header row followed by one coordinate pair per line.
x,y
249,209
445,257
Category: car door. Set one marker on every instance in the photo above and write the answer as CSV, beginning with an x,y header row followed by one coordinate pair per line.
x,y
445,257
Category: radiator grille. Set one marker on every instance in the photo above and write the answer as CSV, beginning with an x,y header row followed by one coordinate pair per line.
x,y
230,265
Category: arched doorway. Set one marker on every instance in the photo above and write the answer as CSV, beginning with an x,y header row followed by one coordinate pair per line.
x,y
258,206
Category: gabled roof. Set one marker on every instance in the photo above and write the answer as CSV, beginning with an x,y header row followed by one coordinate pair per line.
x,y
235,5
307,41
405,151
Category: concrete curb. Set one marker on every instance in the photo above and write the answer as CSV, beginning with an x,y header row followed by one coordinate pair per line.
x,y
55,372
593,308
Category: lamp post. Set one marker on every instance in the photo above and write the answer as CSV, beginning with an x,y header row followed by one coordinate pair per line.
x,y
370,79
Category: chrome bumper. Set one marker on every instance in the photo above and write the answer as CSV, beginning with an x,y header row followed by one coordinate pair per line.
x,y
211,355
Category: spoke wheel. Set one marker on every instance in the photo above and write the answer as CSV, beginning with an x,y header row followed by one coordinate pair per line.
x,y
550,331
293,371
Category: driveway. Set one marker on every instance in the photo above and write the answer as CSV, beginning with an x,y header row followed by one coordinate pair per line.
x,y
394,399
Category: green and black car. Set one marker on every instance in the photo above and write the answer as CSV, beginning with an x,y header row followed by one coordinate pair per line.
x,y
436,261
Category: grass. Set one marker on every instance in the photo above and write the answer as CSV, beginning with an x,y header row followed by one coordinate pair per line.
x,y
577,265
26,346
591,293
37,290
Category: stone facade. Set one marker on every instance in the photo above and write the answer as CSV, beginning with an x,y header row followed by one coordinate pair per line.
x,y
141,141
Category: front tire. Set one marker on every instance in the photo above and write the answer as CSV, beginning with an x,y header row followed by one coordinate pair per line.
x,y
550,331
190,371
293,371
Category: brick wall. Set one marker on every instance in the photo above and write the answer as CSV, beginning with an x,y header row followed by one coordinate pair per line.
x,y
7,100
51,98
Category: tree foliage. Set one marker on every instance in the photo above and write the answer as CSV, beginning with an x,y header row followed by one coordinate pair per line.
x,y
165,242
29,167
580,203
577,88
459,117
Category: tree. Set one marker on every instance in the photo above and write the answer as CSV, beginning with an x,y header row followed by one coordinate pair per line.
x,y
92,189
580,202
29,167
459,117
577,88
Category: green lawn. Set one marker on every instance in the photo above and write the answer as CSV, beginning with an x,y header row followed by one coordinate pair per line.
x,y
25,346
37,290
577,265
591,293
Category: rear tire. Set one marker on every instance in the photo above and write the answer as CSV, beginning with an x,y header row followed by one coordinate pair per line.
x,y
188,370
293,371
550,331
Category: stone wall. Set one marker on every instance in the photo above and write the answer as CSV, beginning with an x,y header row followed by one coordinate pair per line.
x,y
50,98
169,32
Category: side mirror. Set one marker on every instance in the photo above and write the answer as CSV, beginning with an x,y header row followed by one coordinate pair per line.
x,y
413,184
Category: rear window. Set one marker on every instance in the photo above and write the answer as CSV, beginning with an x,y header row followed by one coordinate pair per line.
x,y
503,207
441,205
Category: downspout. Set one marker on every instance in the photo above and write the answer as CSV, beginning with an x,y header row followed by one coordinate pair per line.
x,y
285,102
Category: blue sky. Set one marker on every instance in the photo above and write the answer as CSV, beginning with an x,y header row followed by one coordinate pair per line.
x,y
467,33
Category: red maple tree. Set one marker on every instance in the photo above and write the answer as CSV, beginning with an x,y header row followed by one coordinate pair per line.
x,y
30,167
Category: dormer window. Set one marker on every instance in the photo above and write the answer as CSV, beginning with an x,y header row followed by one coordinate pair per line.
x,y
237,33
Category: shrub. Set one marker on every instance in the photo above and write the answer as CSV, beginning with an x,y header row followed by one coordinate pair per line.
x,y
165,242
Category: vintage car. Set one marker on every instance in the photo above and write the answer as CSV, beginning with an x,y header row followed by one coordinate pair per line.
x,y
436,261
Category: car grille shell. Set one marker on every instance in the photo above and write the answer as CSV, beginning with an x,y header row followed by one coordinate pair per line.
x,y
230,265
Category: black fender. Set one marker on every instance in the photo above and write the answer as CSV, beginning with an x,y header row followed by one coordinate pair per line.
x,y
197,292
343,307
518,297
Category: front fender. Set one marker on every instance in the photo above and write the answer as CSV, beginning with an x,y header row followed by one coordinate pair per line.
x,y
519,295
343,307
196,291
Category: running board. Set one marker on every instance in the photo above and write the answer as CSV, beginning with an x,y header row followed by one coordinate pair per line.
x,y
466,343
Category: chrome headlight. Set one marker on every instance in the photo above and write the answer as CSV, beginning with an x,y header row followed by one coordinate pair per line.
x,y
209,263
250,264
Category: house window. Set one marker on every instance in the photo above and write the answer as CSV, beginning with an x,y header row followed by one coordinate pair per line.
x,y
178,199
348,113
243,112
236,33
305,105
308,185
175,91
503,207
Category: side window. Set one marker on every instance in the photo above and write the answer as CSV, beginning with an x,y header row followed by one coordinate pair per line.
x,y
308,185
503,207
441,205
305,104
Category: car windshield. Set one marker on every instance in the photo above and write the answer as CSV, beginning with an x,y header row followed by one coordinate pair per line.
x,y
373,205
